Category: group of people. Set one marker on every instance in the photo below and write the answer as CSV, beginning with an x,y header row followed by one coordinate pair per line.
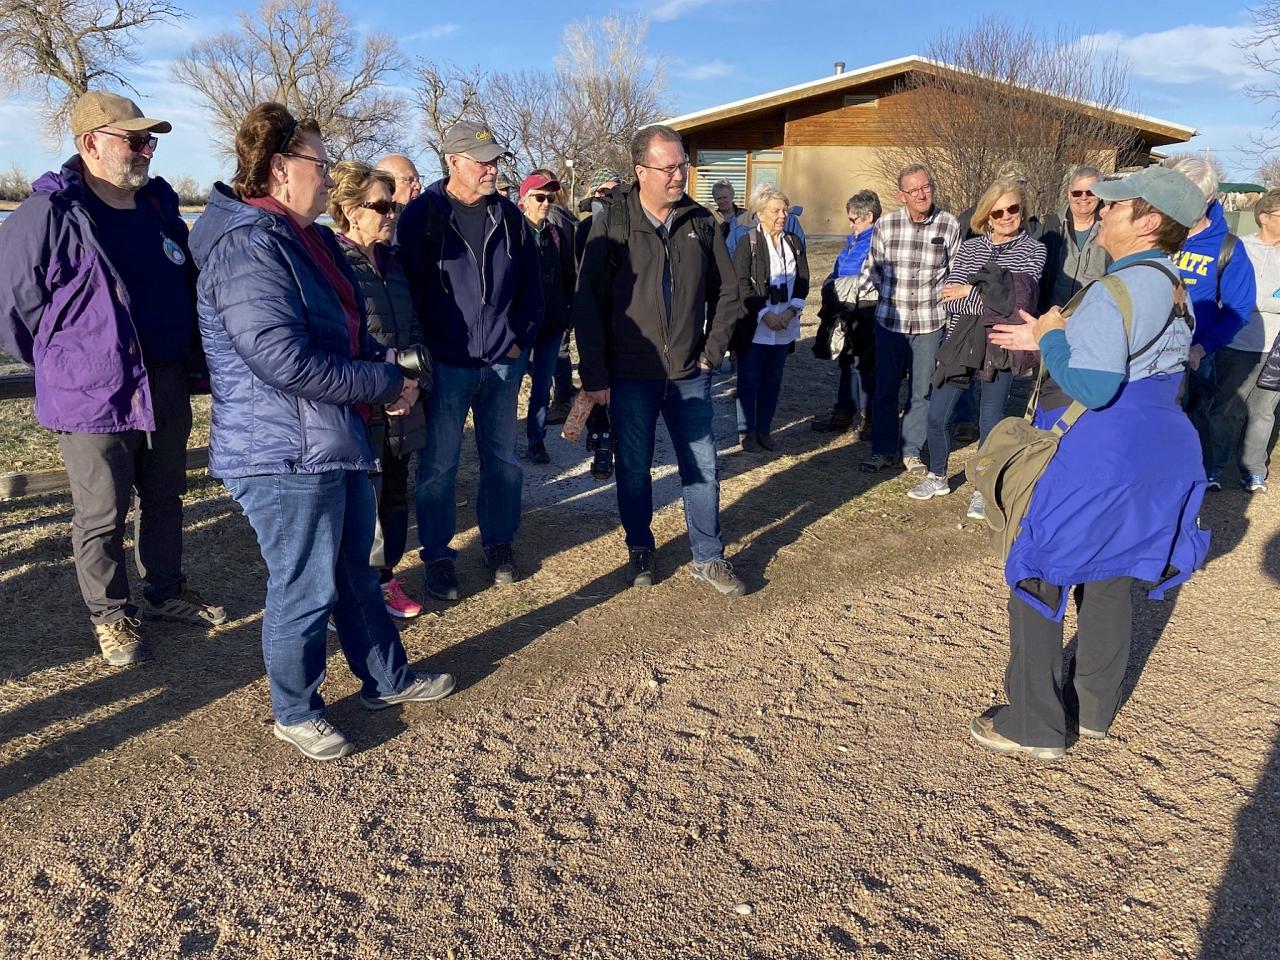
x,y
334,357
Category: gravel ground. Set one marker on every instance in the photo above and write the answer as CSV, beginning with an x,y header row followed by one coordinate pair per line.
x,y
659,773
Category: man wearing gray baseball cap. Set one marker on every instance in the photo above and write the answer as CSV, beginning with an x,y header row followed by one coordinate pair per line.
x,y
475,275
1119,499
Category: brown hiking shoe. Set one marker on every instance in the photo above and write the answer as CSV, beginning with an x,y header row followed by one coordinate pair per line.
x,y
187,607
120,643
838,422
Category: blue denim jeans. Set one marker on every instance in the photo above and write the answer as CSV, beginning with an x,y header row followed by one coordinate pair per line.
x,y
915,355
490,393
315,531
759,384
942,403
542,368
685,406
856,386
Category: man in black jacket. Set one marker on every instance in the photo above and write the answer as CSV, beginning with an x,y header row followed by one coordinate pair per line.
x,y
656,305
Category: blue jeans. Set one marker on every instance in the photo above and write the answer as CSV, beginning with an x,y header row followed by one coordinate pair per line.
x,y
759,383
856,387
685,406
542,368
942,403
315,531
912,354
490,393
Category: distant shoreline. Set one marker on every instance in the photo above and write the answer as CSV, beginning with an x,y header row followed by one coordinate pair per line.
x,y
8,206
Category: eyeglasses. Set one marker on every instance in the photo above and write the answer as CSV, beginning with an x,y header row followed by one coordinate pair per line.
x,y
668,172
538,197
487,164
919,191
1081,194
414,179
383,208
322,164
1010,211
137,141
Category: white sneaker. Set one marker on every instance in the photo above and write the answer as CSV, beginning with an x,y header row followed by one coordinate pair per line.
x,y
977,507
425,688
316,739
928,488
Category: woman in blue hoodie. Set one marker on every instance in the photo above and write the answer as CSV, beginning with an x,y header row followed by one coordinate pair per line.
x,y
294,371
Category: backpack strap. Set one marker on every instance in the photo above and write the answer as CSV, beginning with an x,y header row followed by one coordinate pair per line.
x,y
1224,260
617,229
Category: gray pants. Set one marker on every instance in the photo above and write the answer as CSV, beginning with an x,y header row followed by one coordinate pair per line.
x,y
105,469
1242,413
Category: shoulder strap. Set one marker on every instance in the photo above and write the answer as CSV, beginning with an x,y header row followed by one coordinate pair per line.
x,y
617,229
1224,259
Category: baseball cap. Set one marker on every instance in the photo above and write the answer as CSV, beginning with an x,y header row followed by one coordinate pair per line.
x,y
538,181
475,140
99,109
604,176
1167,190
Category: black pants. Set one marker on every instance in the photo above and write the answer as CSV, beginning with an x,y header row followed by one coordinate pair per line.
x,y
104,470
391,496
1039,694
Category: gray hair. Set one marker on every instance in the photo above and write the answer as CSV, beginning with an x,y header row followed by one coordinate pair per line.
x,y
723,185
1079,171
913,168
864,203
764,195
1200,172
645,136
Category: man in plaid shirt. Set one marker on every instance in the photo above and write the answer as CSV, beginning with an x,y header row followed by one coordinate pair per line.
x,y
910,255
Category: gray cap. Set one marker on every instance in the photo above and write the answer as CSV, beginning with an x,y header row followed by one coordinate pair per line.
x,y
475,140
1167,190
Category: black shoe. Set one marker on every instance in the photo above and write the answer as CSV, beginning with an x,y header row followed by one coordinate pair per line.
x,y
558,412
838,422
501,563
440,580
537,453
642,567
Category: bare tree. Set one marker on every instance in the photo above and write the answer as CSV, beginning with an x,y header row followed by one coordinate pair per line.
x,y
1262,51
58,49
999,94
445,94
1268,173
306,54
14,184
189,191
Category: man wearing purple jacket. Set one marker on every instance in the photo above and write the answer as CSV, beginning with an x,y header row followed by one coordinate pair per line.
x,y
97,294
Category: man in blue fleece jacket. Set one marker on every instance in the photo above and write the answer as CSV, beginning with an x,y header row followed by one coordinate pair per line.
x,y
1223,297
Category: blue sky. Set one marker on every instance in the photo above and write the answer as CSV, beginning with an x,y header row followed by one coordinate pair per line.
x,y
1183,62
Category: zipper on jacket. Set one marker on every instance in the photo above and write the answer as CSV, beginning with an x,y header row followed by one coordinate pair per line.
x,y
484,280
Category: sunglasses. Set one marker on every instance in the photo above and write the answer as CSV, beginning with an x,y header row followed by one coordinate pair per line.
x,y
137,141
1010,211
1081,194
383,208
538,197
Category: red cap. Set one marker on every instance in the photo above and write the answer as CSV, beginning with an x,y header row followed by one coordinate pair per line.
x,y
538,181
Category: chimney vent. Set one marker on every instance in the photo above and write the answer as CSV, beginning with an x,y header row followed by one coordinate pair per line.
x,y
839,67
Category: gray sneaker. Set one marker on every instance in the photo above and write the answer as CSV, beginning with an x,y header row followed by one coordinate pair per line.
x,y
977,507
316,739
719,573
928,488
424,688
187,607
876,462
120,643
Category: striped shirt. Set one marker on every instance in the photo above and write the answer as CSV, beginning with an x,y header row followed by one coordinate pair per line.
x,y
907,264
1022,254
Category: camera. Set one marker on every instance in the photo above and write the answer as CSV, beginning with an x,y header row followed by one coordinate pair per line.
x,y
600,442
414,361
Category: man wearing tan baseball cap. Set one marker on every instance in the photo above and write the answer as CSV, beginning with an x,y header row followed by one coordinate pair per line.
x,y
112,340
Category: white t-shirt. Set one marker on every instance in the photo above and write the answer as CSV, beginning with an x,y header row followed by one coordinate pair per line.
x,y
1263,327
782,273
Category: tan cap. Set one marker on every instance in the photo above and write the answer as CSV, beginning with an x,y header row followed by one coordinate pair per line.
x,y
98,109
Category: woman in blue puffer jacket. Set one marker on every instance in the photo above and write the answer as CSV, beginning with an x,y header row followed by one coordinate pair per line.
x,y
293,372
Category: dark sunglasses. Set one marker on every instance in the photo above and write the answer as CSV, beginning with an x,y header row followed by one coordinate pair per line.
x,y
137,141
1080,194
538,197
1012,210
383,208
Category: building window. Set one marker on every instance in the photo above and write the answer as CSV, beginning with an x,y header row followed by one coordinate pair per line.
x,y
852,101
716,165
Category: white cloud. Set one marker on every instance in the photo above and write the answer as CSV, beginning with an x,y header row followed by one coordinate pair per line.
x,y
710,70
1184,55
675,9
435,32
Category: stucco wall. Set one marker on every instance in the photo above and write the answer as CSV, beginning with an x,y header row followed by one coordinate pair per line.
x,y
821,179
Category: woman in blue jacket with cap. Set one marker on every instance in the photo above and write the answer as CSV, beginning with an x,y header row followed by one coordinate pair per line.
x,y
1119,500
293,371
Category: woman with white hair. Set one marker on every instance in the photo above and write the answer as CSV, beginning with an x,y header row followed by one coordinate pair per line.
x,y
1073,256
1219,278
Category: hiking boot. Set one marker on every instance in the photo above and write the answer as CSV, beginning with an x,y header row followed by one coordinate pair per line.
x,y
983,730
537,453
316,739
915,465
501,563
931,486
977,507
440,581
120,643
399,604
766,440
1255,484
187,607
838,422
719,573
558,412
642,567
877,462
425,688
749,442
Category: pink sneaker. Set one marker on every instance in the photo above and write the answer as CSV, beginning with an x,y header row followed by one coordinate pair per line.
x,y
399,604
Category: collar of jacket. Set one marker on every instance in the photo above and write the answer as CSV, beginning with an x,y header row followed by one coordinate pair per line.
x,y
683,209
67,188
437,194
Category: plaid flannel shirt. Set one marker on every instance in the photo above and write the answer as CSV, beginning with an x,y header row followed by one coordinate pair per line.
x,y
906,266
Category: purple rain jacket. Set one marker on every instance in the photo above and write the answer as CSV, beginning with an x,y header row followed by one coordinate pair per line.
x,y
64,309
